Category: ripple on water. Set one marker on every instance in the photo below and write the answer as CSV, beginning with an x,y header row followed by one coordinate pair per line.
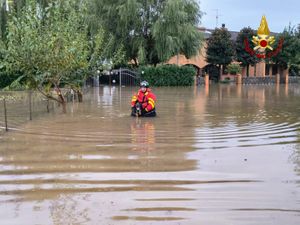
x,y
253,135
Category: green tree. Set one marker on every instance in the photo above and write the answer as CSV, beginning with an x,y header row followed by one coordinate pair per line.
x,y
149,31
286,53
220,48
3,18
16,6
294,61
50,51
288,57
242,55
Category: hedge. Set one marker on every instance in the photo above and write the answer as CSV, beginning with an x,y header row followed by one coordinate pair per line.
x,y
168,75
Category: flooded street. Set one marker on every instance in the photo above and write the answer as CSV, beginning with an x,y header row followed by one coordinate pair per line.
x,y
221,156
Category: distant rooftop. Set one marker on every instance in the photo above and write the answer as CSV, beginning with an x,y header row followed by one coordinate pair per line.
x,y
207,33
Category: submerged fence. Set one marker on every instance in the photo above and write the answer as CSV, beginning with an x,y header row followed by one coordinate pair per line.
x,y
19,107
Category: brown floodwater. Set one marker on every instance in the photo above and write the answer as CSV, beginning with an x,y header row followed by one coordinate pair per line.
x,y
221,156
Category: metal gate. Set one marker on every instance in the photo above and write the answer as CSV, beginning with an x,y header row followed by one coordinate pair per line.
x,y
121,77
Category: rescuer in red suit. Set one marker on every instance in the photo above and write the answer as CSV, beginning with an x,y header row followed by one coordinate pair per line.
x,y
143,103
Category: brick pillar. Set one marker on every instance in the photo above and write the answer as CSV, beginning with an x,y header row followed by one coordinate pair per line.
x,y
277,78
286,76
238,79
261,69
206,80
239,90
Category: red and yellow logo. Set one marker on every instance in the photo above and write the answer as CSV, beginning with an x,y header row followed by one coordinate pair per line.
x,y
263,41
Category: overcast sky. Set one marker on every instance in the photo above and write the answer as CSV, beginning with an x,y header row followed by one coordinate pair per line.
x,y
236,14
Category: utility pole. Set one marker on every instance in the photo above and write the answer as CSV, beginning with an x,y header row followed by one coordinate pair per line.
x,y
217,17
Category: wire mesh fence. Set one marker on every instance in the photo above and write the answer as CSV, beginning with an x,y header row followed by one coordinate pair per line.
x,y
21,106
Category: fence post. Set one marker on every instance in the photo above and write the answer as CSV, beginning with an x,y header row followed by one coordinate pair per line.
x,y
5,114
120,79
30,109
48,109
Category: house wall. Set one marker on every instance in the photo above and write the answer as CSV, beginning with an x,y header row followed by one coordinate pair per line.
x,y
199,62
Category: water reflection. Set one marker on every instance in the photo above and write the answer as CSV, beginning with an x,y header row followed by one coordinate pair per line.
x,y
215,156
143,135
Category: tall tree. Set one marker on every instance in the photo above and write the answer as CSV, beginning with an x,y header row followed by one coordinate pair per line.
x,y
295,60
50,52
288,57
179,35
242,55
220,49
3,18
15,6
150,31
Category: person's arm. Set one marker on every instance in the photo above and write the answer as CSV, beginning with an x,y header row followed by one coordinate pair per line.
x,y
151,102
133,100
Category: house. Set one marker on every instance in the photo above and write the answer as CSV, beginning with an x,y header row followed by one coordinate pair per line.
x,y
261,69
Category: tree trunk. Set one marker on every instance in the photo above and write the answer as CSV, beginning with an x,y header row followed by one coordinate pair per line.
x,y
61,100
220,71
64,104
79,95
48,107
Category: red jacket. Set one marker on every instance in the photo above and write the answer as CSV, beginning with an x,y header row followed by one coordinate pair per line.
x,y
146,99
